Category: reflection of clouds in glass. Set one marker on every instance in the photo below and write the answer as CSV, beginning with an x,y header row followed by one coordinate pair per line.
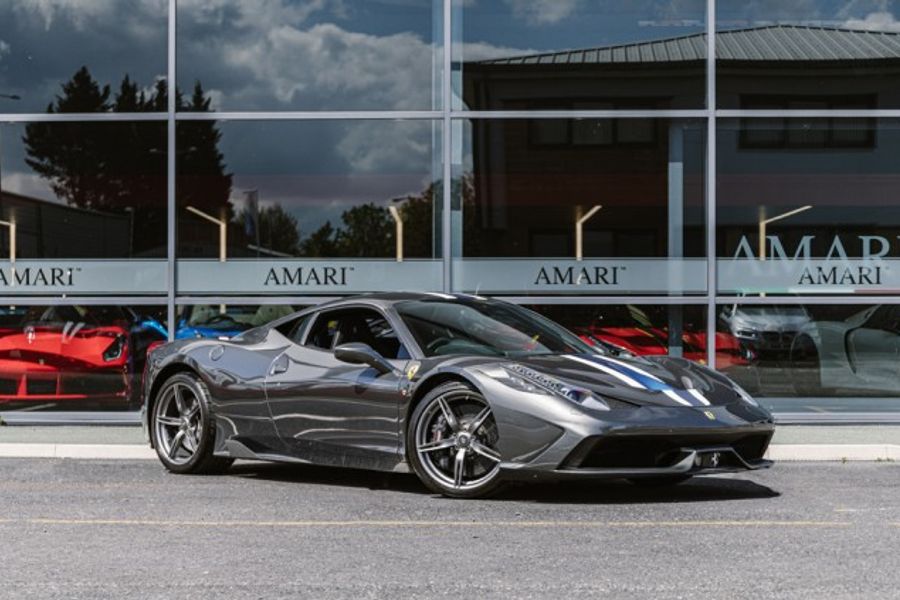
x,y
83,16
49,40
543,12
760,13
474,51
331,54
877,21
28,184
329,163
296,65
261,14
366,148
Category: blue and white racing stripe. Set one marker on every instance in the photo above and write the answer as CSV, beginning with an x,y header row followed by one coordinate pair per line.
x,y
640,379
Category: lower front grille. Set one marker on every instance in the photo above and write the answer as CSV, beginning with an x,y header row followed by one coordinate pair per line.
x,y
658,451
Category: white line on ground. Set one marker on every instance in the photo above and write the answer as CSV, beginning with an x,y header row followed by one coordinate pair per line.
x,y
401,523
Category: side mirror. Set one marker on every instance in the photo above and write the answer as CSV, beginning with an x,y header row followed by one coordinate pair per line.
x,y
358,353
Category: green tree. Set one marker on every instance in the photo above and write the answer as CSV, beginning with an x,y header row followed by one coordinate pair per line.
x,y
121,167
278,229
322,243
368,232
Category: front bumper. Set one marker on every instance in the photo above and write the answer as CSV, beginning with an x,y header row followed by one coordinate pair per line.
x,y
654,442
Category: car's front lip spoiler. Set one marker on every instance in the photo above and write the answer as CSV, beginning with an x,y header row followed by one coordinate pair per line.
x,y
691,464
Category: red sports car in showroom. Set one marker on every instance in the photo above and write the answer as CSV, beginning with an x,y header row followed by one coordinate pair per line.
x,y
64,353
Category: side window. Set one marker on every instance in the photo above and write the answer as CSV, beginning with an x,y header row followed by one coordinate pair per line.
x,y
293,329
337,327
324,330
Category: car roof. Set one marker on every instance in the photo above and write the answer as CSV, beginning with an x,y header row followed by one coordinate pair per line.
x,y
385,299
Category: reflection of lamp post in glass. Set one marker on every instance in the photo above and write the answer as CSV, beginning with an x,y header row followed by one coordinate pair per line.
x,y
223,238
764,222
398,226
12,249
223,230
579,230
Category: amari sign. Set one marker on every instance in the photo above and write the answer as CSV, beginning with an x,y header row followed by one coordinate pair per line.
x,y
123,277
862,264
289,277
589,276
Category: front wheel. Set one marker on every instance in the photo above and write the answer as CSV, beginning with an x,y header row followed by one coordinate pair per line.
x,y
182,428
452,442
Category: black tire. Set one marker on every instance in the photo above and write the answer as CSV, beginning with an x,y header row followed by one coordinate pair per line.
x,y
806,369
193,454
662,481
468,407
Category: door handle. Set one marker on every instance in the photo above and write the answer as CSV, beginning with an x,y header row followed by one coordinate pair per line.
x,y
279,366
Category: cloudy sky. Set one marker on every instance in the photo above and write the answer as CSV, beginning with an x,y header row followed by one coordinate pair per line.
x,y
255,55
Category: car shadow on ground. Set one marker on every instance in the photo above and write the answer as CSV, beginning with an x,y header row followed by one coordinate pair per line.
x,y
699,489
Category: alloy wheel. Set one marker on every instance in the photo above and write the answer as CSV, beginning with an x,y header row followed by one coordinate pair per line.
x,y
179,423
455,441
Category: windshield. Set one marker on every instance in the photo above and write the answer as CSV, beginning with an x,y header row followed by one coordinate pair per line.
x,y
443,327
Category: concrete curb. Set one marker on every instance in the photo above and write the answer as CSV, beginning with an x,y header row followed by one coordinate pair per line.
x,y
777,452
84,451
834,452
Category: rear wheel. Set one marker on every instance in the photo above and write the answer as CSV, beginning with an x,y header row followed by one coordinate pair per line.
x,y
452,442
182,428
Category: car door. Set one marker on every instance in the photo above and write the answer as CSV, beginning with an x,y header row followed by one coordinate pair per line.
x,y
331,412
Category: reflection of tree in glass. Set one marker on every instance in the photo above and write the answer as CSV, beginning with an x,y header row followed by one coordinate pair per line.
x,y
278,230
121,167
368,231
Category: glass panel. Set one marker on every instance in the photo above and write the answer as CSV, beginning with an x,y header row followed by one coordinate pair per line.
x,y
816,55
642,330
83,208
256,55
59,357
580,206
846,354
330,207
78,56
600,55
226,320
823,195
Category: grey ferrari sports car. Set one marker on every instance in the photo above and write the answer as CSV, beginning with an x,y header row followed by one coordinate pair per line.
x,y
466,392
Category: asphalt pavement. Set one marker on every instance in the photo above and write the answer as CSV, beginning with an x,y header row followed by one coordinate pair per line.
x,y
127,529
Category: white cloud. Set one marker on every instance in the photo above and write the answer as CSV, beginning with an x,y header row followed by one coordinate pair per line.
x,y
543,12
392,71
482,51
4,49
85,15
28,184
876,21
366,147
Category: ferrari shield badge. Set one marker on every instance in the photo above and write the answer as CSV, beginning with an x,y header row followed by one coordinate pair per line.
x,y
412,370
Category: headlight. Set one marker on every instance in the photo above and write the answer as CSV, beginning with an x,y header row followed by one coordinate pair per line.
x,y
115,349
744,394
524,379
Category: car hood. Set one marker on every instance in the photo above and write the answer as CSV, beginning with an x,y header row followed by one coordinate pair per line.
x,y
642,381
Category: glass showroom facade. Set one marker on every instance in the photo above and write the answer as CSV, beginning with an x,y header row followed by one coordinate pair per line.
x,y
718,181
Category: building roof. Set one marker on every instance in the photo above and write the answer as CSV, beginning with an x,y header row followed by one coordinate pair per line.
x,y
789,43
